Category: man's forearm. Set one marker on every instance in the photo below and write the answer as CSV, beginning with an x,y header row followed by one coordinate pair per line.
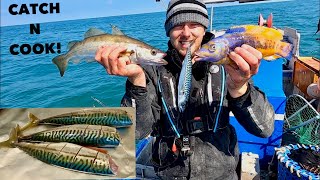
x,y
254,112
139,80
235,93
137,96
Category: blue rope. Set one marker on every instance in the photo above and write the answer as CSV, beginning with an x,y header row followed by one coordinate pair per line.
x,y
219,112
167,112
221,98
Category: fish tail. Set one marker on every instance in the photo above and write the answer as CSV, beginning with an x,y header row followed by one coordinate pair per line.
x,y
13,138
33,121
62,62
285,50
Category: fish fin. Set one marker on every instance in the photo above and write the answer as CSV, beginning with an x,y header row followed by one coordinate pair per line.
x,y
285,50
116,30
18,129
98,101
236,29
75,60
271,58
13,138
32,117
33,121
88,60
225,60
114,167
93,32
62,63
264,32
71,44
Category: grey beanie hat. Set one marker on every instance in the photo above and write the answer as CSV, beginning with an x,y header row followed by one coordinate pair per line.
x,y
181,11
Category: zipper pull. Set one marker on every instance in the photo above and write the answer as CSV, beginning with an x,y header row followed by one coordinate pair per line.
x,y
201,96
174,148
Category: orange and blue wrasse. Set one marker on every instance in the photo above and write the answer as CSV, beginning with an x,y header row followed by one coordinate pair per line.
x,y
67,155
266,40
82,134
109,117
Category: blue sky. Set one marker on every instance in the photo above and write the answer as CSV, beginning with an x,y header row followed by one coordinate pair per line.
x,y
78,9
82,9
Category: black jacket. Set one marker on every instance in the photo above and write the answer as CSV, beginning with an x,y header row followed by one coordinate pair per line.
x,y
215,151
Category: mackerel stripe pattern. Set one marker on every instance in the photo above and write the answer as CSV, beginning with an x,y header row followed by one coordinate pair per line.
x,y
115,118
187,84
96,135
184,84
71,156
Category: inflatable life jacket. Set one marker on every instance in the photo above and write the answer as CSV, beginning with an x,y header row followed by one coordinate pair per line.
x,y
204,110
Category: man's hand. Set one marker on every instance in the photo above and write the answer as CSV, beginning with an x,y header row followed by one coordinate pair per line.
x,y
115,64
246,64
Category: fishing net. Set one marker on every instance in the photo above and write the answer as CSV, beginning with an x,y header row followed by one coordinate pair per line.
x,y
308,159
302,120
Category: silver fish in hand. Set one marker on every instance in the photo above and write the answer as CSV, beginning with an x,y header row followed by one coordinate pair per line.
x,y
138,51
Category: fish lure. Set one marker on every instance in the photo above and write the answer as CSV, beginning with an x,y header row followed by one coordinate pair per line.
x,y
83,134
266,40
184,85
67,155
110,117
138,52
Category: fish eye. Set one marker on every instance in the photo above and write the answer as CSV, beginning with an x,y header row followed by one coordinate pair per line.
x,y
153,52
212,47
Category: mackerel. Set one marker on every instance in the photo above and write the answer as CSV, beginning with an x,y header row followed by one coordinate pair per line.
x,y
67,155
83,134
184,85
117,118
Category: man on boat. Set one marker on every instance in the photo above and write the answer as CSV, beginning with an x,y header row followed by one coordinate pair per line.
x,y
198,143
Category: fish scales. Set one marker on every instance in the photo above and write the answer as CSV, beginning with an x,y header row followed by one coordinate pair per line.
x,y
236,40
97,135
92,44
267,40
71,156
113,118
184,84
109,38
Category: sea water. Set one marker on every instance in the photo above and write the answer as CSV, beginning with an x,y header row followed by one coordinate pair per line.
x,y
30,81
